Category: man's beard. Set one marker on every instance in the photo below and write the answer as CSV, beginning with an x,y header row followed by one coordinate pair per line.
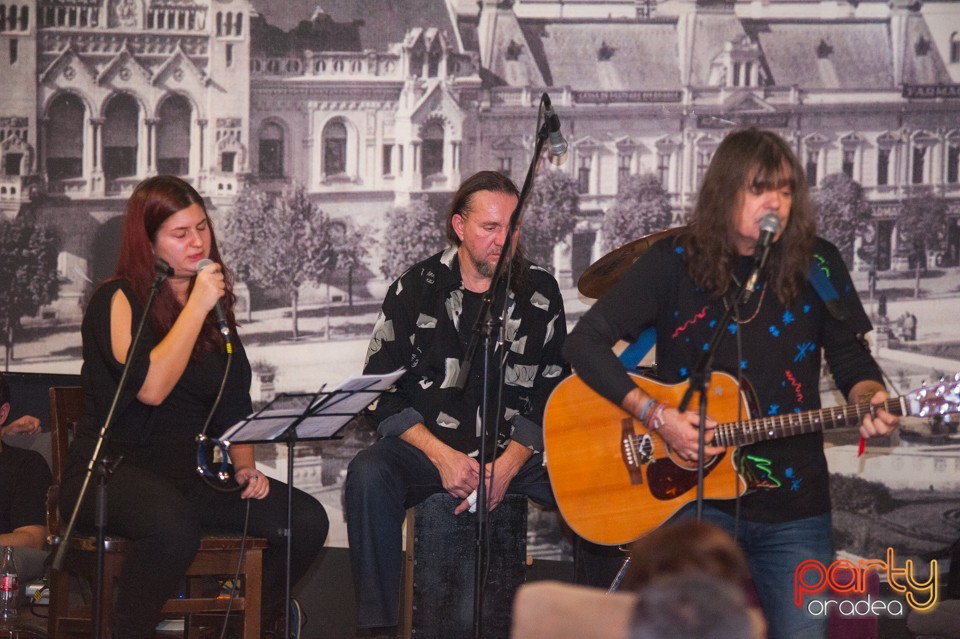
x,y
483,267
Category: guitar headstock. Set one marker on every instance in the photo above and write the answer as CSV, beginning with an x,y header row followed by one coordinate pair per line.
x,y
942,399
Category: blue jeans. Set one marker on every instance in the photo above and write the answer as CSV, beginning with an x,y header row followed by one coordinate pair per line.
x,y
774,550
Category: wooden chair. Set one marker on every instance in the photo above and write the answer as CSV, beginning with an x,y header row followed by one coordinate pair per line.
x,y
217,557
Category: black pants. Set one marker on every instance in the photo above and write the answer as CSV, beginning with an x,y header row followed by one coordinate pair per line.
x,y
165,522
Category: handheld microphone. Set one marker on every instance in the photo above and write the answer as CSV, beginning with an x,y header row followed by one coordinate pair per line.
x,y
221,318
769,227
558,145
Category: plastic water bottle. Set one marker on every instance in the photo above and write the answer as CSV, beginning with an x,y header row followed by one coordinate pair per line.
x,y
9,586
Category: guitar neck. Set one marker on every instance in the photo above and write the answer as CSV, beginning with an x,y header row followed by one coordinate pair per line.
x,y
778,426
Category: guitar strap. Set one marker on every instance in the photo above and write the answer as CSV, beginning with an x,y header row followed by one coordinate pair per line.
x,y
827,292
633,354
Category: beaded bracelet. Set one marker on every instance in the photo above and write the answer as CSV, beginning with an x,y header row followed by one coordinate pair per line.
x,y
656,418
643,411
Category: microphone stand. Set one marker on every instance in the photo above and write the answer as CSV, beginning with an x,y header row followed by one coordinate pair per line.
x,y
700,377
484,327
103,468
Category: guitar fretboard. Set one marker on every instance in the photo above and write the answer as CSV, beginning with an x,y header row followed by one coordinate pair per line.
x,y
761,429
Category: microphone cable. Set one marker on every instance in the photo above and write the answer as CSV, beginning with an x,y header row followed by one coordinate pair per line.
x,y
236,575
222,474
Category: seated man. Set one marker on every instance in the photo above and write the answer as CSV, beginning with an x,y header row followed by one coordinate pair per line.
x,y
25,478
430,440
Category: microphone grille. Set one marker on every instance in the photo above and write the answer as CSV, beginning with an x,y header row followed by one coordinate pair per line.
x,y
770,223
205,262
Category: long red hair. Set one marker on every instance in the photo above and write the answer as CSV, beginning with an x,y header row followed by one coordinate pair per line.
x,y
152,202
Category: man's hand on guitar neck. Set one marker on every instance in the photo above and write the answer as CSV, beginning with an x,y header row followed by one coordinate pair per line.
x,y
880,422
679,430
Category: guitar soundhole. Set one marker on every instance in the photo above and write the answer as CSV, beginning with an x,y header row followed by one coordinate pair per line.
x,y
669,481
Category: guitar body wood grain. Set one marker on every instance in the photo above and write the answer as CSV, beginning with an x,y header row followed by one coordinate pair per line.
x,y
613,479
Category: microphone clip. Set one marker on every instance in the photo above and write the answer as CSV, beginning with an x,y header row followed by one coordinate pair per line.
x,y
162,271
557,149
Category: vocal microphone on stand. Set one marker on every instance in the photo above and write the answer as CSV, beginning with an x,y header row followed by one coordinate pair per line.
x,y
221,318
557,150
769,227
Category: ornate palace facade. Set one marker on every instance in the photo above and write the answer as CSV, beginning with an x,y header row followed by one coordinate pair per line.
x,y
369,103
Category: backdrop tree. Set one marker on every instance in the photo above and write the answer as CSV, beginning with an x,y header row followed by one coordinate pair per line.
x,y
549,216
642,207
280,242
28,270
352,245
922,226
843,212
414,231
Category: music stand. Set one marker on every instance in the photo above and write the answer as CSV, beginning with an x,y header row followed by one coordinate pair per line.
x,y
292,417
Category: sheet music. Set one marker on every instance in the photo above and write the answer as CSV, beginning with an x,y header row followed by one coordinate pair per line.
x,y
326,413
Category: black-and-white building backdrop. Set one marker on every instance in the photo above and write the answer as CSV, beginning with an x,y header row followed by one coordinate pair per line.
x,y
360,117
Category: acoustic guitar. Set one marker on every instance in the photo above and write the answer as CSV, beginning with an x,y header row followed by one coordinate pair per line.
x,y
614,480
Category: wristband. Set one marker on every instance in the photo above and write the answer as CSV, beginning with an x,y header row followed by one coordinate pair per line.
x,y
656,418
643,411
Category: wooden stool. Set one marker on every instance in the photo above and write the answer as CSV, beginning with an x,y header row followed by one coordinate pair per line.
x,y
441,562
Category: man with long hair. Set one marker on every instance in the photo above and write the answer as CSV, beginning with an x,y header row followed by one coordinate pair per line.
x,y
682,287
430,437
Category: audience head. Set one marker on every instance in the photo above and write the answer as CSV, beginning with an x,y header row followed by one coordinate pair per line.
x,y
691,605
685,546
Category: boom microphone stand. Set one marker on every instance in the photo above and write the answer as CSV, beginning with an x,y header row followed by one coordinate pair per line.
x,y
484,328
700,377
103,468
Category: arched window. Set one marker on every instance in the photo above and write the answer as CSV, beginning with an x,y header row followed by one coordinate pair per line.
x,y
583,173
953,159
918,165
416,60
663,168
431,159
270,151
120,128
954,47
335,148
173,136
814,157
64,135
883,165
434,58
812,166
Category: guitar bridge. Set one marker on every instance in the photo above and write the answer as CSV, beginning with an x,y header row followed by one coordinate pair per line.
x,y
635,451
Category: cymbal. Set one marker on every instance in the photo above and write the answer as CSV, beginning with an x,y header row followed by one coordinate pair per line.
x,y
606,271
